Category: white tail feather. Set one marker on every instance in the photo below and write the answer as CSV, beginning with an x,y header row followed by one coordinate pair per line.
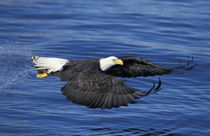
x,y
49,64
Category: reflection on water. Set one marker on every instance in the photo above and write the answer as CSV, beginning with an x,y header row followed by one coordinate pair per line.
x,y
134,131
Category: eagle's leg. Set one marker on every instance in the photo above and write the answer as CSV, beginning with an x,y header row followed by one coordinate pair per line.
x,y
43,75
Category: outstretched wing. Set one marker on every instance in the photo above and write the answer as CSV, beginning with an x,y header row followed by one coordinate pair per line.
x,y
100,90
134,66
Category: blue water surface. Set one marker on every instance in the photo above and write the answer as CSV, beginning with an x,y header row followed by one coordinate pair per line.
x,y
162,31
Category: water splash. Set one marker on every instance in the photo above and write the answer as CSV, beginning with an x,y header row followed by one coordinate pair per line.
x,y
15,65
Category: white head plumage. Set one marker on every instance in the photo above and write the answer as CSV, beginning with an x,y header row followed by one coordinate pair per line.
x,y
107,63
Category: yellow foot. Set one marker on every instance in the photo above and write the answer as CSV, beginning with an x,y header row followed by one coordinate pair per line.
x,y
43,75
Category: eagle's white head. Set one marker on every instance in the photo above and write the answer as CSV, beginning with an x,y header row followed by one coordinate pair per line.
x,y
107,63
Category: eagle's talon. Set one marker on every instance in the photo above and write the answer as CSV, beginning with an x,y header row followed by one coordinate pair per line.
x,y
43,75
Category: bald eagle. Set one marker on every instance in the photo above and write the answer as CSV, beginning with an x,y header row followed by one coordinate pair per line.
x,y
95,83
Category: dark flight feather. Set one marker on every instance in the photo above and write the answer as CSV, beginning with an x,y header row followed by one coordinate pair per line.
x,y
134,66
100,90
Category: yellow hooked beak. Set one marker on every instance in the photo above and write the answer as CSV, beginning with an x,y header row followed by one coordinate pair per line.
x,y
118,61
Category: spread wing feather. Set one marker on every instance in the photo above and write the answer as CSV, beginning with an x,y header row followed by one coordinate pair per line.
x,y
100,90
